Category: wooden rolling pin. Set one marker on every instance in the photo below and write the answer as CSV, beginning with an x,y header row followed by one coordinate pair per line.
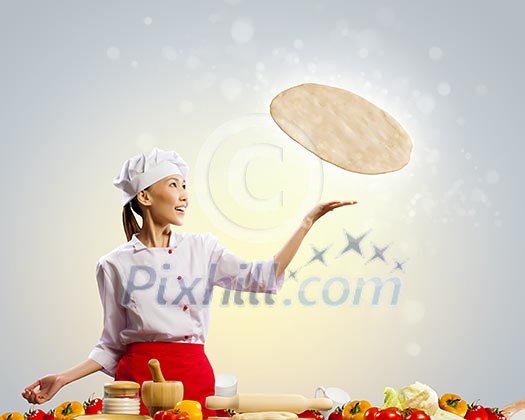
x,y
249,403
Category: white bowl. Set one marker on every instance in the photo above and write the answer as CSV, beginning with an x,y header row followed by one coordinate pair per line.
x,y
134,402
121,402
125,411
125,402
129,407
108,409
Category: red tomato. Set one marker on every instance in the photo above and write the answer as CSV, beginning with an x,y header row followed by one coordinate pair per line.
x,y
370,413
93,406
337,414
415,414
495,414
311,414
223,413
171,415
35,414
390,413
50,415
476,412
491,415
164,415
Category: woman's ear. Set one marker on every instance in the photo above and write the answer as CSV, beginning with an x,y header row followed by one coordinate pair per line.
x,y
144,198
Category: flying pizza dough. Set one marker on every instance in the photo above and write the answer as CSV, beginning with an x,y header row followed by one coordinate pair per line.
x,y
342,128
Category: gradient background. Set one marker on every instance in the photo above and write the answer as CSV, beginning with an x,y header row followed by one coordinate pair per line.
x,y
87,84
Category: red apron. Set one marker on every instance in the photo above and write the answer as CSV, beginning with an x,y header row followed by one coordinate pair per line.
x,y
185,362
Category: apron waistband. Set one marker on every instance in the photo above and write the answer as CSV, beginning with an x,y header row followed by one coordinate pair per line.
x,y
161,347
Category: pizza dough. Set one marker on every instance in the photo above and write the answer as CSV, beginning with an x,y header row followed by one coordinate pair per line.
x,y
266,415
342,128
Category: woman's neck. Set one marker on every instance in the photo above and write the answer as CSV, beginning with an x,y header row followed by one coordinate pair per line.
x,y
155,236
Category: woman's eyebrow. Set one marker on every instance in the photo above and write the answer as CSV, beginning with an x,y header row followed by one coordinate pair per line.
x,y
177,179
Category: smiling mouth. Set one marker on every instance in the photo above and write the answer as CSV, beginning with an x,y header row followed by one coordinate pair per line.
x,y
180,210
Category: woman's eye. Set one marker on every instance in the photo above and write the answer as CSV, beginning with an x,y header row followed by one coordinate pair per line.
x,y
174,183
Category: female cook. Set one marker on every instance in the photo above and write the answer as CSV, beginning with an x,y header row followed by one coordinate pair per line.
x,y
156,289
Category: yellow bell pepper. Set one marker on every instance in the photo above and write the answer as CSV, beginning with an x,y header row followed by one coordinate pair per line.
x,y
68,410
193,408
454,404
355,410
12,415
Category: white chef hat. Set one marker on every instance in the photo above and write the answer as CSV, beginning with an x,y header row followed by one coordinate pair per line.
x,y
141,171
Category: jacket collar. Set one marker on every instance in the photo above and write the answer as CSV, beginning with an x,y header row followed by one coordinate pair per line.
x,y
138,245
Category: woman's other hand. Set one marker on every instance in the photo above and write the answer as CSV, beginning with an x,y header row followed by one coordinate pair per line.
x,y
48,386
288,251
322,208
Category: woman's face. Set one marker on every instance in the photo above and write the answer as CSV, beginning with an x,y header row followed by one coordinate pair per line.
x,y
168,200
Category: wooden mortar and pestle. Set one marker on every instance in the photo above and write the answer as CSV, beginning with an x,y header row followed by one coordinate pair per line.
x,y
160,394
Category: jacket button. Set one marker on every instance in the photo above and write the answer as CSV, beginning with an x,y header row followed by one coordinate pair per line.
x,y
185,307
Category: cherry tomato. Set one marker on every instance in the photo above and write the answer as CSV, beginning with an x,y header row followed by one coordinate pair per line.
x,y
50,415
390,413
35,414
337,414
311,414
164,415
476,412
415,414
370,413
93,406
495,414
172,414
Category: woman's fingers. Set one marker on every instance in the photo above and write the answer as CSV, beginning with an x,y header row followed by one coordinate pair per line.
x,y
30,395
322,208
341,203
347,202
335,204
33,385
38,398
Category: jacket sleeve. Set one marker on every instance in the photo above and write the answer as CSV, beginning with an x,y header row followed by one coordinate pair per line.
x,y
227,270
109,348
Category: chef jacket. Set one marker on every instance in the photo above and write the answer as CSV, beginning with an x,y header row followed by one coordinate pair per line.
x,y
164,294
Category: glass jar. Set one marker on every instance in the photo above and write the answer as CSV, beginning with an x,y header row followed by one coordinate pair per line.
x,y
121,397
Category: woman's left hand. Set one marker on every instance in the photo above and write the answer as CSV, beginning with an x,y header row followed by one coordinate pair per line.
x,y
322,208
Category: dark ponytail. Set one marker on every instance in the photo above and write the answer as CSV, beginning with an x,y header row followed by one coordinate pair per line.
x,y
131,225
